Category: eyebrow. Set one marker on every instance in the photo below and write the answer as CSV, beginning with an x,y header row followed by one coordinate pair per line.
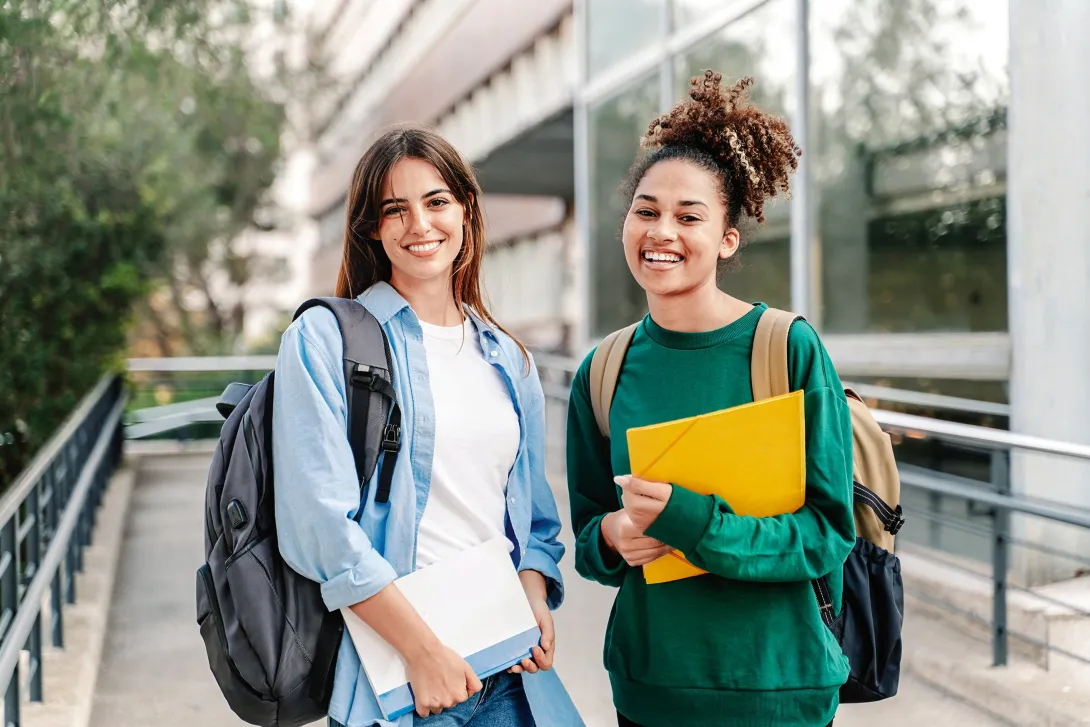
x,y
402,200
683,203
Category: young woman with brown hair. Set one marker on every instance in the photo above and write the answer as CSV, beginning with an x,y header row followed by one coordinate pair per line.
x,y
744,644
472,443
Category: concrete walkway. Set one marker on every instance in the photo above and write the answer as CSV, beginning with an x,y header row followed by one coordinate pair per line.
x,y
154,670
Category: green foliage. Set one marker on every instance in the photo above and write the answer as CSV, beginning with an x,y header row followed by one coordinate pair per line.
x,y
134,140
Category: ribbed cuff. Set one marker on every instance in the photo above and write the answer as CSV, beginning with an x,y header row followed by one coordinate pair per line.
x,y
683,522
597,556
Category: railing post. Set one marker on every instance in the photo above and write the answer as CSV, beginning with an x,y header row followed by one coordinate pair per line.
x,y
56,617
1001,517
9,602
34,557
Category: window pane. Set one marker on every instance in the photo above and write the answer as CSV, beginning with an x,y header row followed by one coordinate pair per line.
x,y
618,28
909,126
694,12
615,129
754,46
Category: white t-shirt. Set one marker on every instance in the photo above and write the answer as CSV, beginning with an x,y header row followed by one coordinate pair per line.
x,y
476,442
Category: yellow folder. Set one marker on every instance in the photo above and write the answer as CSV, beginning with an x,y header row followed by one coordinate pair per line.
x,y
753,456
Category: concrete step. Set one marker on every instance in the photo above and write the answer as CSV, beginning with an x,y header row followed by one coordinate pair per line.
x,y
1042,622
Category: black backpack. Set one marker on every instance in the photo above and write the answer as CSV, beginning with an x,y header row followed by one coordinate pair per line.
x,y
271,643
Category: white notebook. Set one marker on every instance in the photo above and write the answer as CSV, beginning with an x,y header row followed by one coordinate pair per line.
x,y
475,604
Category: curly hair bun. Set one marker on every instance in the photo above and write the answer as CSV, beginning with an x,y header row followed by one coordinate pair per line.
x,y
755,149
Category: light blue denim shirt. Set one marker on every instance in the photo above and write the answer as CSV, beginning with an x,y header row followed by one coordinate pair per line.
x,y
355,549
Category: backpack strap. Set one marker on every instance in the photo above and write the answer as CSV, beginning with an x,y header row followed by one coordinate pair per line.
x,y
605,367
769,376
372,401
768,366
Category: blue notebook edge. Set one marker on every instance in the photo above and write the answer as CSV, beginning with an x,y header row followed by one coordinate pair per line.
x,y
486,662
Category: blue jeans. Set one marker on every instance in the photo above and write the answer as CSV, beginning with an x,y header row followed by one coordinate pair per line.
x,y
500,703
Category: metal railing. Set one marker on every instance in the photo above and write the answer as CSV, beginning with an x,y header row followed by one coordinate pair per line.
x,y
195,383
170,395
46,520
991,498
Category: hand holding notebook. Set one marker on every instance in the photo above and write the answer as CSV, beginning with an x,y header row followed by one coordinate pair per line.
x,y
491,625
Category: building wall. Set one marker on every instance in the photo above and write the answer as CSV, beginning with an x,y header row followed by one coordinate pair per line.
x,y
485,74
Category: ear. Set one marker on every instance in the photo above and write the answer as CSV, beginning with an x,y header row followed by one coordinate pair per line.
x,y
729,245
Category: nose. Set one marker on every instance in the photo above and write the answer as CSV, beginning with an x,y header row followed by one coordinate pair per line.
x,y
419,225
662,230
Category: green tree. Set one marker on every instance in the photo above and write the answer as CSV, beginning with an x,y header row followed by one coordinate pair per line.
x,y
136,140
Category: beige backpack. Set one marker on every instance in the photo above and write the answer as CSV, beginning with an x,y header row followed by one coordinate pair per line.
x,y
877,509
869,625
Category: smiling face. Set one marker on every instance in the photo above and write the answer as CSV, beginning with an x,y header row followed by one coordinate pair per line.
x,y
676,229
420,223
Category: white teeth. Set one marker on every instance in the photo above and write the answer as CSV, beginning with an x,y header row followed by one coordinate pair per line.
x,y
662,257
427,247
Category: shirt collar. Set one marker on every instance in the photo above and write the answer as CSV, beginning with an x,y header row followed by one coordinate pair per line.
x,y
384,302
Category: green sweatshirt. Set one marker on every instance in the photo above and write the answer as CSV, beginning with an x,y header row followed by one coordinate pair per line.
x,y
743,645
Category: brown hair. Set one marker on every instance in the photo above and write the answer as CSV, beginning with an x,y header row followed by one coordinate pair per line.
x,y
751,153
364,261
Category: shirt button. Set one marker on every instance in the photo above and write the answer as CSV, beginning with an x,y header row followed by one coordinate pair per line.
x,y
493,353
511,499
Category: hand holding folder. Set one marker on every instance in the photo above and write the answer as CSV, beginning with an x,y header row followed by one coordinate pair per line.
x,y
753,456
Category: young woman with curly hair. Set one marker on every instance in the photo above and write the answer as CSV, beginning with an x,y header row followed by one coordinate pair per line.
x,y
744,644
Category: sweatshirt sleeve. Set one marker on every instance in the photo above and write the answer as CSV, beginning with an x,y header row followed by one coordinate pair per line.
x,y
803,545
591,490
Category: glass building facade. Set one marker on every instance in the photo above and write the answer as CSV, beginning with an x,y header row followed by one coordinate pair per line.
x,y
898,222
897,226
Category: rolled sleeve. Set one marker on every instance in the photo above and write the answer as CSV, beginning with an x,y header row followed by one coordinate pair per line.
x,y
317,491
540,560
359,583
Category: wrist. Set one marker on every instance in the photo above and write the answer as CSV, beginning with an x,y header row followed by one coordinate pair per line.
x,y
426,648
603,529
533,583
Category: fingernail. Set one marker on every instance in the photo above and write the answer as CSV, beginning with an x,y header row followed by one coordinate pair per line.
x,y
621,480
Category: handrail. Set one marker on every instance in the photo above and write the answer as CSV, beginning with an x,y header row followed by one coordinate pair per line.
x,y
203,363
46,520
969,489
25,618
924,399
928,400
17,493
985,437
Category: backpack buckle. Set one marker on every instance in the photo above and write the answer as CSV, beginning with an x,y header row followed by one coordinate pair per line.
x,y
363,376
898,522
391,438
